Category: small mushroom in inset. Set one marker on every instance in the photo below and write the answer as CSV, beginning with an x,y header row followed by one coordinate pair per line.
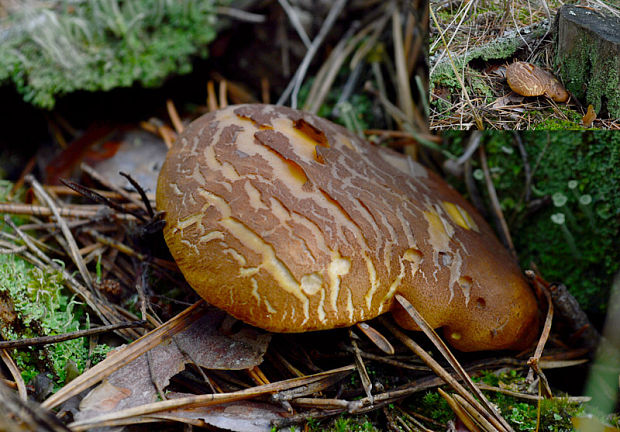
x,y
292,223
527,79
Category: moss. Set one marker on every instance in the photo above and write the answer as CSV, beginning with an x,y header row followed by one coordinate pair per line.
x,y
35,303
591,158
103,44
344,423
480,88
590,78
551,123
500,48
555,414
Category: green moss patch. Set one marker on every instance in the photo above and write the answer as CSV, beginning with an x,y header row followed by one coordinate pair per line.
x,y
102,44
582,169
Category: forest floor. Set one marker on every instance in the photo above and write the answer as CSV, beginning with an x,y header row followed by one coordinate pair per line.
x,y
479,39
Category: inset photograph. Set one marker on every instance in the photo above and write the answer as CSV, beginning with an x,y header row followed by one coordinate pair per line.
x,y
517,64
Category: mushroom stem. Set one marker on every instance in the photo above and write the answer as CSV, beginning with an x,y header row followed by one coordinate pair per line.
x,y
584,205
559,219
584,202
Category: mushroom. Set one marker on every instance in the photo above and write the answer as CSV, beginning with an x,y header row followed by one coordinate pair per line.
x,y
527,79
292,223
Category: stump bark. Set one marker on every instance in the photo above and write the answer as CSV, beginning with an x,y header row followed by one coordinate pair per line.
x,y
588,56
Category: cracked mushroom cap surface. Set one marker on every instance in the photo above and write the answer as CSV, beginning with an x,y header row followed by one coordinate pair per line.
x,y
292,223
527,79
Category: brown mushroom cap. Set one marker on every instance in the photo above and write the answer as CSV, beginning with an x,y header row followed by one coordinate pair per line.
x,y
292,223
527,79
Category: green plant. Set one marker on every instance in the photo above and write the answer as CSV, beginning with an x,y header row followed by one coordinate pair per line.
x,y
589,158
102,44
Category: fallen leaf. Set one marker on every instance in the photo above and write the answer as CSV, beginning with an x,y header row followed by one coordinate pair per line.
x,y
104,397
202,342
242,416
140,154
589,118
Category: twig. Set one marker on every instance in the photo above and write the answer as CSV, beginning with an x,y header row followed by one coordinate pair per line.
x,y
42,211
141,192
211,98
44,340
105,182
94,196
569,310
453,166
483,386
222,93
12,251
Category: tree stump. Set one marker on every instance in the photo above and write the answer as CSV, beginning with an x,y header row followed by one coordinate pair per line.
x,y
588,56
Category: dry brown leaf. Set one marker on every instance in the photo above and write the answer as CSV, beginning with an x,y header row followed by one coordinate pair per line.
x,y
589,118
505,101
132,385
242,416
140,154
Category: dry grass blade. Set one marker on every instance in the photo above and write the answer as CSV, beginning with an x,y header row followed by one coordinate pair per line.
x,y
126,354
474,111
377,338
294,18
361,367
442,373
15,373
326,76
533,361
497,209
405,96
298,78
461,413
207,400
174,116
469,409
484,406
73,251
